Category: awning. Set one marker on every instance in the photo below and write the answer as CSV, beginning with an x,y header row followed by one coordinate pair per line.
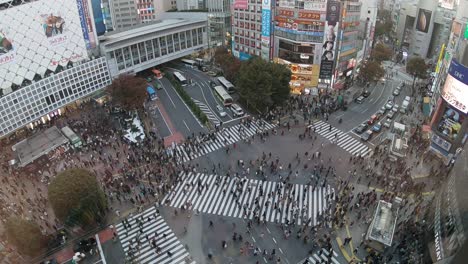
x,y
427,106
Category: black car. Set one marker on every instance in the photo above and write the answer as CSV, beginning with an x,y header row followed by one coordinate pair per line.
x,y
366,93
361,128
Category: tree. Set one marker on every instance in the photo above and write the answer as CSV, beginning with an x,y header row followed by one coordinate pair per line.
x,y
128,91
384,24
229,64
371,71
263,84
381,53
77,198
416,67
25,235
280,83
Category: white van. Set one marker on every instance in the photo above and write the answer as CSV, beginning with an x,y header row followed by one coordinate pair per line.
x,y
236,110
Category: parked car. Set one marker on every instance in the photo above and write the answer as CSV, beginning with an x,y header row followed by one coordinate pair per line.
x,y
383,109
221,111
389,105
391,114
396,92
387,123
212,73
361,128
391,98
372,119
395,108
237,110
377,127
366,93
380,113
360,99
366,135
158,86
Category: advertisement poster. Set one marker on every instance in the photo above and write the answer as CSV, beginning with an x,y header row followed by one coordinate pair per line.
x,y
38,36
287,3
424,20
333,12
266,21
455,90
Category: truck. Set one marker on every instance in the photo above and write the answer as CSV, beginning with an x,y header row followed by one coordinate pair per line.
x,y
74,139
405,104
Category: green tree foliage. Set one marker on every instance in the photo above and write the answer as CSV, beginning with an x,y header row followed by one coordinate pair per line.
x,y
228,63
25,235
381,53
128,91
77,198
262,84
417,67
384,24
371,71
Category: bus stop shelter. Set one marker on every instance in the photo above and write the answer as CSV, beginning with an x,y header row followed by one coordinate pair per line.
x,y
41,143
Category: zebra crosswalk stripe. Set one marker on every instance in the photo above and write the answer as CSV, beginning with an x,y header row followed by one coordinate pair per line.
x,y
218,195
344,141
153,226
317,259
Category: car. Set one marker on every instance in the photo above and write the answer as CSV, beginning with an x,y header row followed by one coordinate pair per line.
x,y
221,111
158,86
366,135
372,119
212,73
379,114
387,123
389,105
360,99
396,92
237,110
213,84
366,93
383,109
377,127
361,128
395,108
391,98
391,114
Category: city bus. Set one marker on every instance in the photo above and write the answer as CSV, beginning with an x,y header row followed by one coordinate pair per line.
x,y
151,93
157,73
223,95
189,63
180,78
226,84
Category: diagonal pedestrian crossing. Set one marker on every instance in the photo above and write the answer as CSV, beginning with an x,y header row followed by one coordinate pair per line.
x,y
209,114
269,201
321,256
225,137
345,141
136,238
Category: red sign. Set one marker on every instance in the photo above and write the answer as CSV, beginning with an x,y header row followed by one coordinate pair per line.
x,y
309,15
288,13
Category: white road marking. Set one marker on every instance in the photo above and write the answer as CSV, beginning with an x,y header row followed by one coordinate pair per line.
x,y
164,120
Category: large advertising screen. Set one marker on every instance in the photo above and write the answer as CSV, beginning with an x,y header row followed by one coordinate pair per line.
x,y
328,49
37,37
424,20
455,90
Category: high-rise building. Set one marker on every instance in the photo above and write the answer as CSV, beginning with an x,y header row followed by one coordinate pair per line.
x,y
247,28
421,27
366,29
449,100
128,13
46,61
219,22
183,5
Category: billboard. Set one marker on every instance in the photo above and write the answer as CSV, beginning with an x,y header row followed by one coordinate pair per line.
x,y
328,49
241,4
455,90
316,5
37,37
424,20
266,21
287,3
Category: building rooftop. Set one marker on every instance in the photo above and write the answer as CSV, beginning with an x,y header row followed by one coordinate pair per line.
x,y
32,148
168,22
383,225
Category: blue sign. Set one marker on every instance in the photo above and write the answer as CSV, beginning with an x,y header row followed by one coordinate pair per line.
x,y
244,56
458,71
298,32
266,22
84,27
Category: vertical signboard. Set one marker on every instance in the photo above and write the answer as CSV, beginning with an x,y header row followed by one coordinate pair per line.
x,y
83,20
331,29
266,29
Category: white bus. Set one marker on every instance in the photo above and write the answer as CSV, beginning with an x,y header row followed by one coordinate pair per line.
x,y
189,63
223,95
180,78
226,84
